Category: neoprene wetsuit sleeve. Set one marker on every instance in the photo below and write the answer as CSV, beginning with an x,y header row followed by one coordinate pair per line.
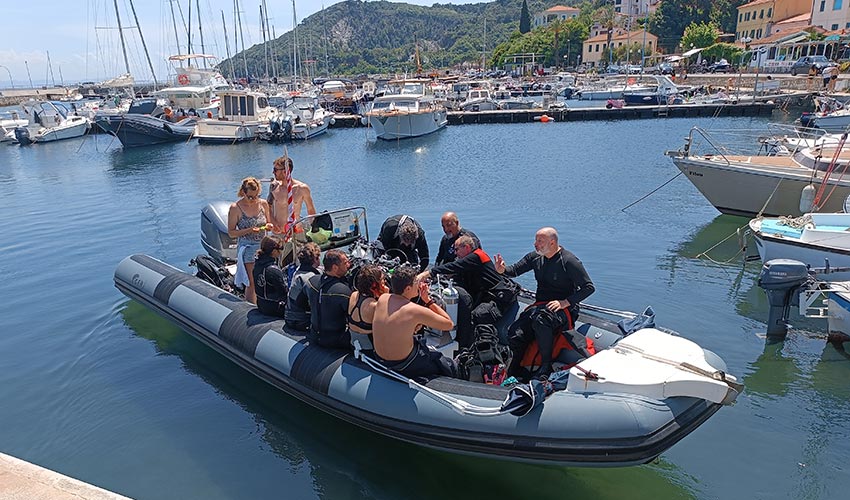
x,y
302,300
422,250
578,275
456,266
521,266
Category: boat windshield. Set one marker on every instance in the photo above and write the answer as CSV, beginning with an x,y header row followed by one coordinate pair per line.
x,y
413,88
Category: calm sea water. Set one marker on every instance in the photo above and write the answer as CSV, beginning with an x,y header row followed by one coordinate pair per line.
x,y
98,387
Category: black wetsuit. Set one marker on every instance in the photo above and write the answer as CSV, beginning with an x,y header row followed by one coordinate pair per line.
x,y
297,305
491,294
423,362
270,286
561,277
446,253
328,296
389,238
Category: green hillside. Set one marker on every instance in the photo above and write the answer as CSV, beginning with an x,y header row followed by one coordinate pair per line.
x,y
355,37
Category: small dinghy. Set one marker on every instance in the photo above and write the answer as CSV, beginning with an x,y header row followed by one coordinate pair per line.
x,y
638,396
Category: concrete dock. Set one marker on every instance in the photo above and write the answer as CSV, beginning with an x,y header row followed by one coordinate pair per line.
x,y
20,480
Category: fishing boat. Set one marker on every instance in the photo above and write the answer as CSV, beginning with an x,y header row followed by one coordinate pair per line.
x,y
773,181
636,397
814,239
49,121
413,112
242,115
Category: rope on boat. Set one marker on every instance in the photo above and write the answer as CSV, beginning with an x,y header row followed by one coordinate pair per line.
x,y
796,222
647,195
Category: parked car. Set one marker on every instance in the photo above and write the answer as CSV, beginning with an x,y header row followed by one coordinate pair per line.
x,y
802,65
721,66
661,69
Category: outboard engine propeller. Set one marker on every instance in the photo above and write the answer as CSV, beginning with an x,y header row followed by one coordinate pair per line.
x,y
214,238
782,280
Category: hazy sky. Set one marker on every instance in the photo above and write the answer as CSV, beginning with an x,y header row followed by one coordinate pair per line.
x,y
67,29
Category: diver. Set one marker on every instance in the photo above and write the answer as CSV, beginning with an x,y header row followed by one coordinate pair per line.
x,y
401,234
562,283
269,278
396,321
329,294
452,230
297,313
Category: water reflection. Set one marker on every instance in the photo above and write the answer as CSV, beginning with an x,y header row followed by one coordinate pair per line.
x,y
347,462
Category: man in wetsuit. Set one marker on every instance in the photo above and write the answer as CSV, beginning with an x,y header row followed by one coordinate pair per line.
x,y
328,294
395,323
401,234
484,294
452,230
562,283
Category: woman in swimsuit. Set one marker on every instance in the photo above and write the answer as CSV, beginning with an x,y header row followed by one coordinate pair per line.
x,y
247,220
371,283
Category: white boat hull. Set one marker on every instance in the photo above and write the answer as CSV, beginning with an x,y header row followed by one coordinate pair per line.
x,y
832,123
824,237
224,132
750,189
304,131
75,127
401,125
838,307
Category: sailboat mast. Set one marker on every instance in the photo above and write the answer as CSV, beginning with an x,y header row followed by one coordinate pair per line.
x,y
294,45
325,31
50,69
265,44
484,48
242,36
200,30
174,23
274,54
189,30
227,46
121,34
144,46
269,37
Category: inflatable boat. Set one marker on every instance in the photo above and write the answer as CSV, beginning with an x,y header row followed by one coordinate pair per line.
x,y
636,397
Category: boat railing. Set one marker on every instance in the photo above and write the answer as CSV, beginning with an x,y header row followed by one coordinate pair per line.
x,y
778,140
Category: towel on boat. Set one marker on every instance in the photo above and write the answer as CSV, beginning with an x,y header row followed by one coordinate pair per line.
x,y
241,278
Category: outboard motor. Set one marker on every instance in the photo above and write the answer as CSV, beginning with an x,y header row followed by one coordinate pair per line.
x,y
214,238
782,280
22,135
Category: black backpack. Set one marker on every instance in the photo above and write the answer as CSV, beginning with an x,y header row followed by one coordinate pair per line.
x,y
210,272
486,360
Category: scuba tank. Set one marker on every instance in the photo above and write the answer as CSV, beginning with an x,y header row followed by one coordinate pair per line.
x,y
450,298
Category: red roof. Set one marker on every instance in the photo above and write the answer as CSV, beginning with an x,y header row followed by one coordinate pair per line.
x,y
562,8
754,3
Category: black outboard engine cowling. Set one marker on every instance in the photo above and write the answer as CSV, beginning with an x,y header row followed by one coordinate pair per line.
x,y
782,280
214,238
22,135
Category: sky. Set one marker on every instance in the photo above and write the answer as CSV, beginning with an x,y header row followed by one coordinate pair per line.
x,y
82,38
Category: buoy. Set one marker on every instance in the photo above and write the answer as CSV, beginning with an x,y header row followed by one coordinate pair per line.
x,y
807,199
544,118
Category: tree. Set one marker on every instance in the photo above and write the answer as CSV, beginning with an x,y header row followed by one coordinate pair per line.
x,y
700,35
524,19
672,17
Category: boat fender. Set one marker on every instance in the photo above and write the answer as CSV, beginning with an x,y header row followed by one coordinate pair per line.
x,y
807,198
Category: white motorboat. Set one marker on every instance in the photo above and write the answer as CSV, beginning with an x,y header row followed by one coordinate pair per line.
x,y
813,239
478,99
611,88
830,115
8,123
49,121
772,184
307,117
241,116
411,113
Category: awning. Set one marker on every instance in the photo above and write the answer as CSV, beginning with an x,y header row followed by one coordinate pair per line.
x,y
692,52
799,38
673,58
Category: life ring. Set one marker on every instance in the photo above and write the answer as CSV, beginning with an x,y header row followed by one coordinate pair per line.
x,y
183,79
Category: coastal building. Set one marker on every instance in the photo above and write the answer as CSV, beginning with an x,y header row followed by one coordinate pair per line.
x,y
636,8
831,15
756,18
556,13
593,47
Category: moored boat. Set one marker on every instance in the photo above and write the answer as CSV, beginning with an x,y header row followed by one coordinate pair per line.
x,y
146,124
50,121
411,113
640,394
242,115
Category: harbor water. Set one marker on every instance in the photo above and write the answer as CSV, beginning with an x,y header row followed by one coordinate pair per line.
x,y
100,388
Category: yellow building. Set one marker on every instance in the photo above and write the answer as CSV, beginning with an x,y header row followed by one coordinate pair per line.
x,y
756,18
592,47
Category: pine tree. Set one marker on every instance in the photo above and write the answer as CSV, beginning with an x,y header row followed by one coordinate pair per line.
x,y
524,19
